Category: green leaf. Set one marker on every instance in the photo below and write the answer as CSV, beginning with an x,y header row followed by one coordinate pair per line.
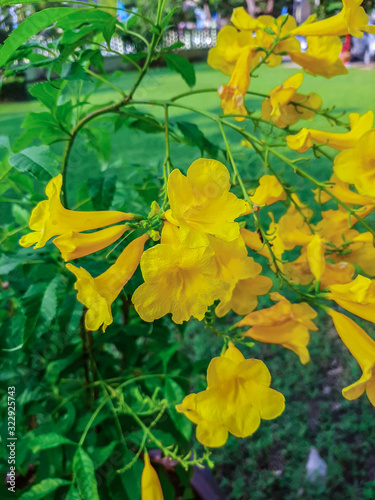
x,y
48,92
77,17
48,441
8,263
181,65
175,394
72,494
109,29
38,161
42,126
48,307
84,471
31,302
29,27
101,455
169,16
43,489
21,215
102,191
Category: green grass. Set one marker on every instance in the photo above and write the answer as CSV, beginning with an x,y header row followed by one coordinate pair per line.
x,y
143,153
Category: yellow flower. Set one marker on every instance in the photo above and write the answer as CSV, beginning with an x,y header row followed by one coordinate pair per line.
x,y
352,20
201,203
359,248
281,107
343,192
292,229
362,347
265,40
306,138
283,323
233,95
75,245
243,21
268,192
230,45
49,218
242,274
322,56
237,397
178,280
150,484
357,297
299,271
282,25
97,294
357,165
315,252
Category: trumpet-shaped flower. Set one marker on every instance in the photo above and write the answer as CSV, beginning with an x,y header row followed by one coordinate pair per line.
x,y
230,45
178,280
49,218
283,323
237,397
268,192
306,138
75,245
352,20
342,191
233,95
234,267
322,56
285,106
201,203
362,347
150,484
357,297
357,165
97,294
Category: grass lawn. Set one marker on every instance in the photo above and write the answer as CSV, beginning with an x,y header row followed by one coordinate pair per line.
x,y
271,465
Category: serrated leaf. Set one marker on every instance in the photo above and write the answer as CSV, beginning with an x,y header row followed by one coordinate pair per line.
x,y
175,394
38,161
43,489
48,441
29,27
84,472
42,126
48,92
102,191
182,66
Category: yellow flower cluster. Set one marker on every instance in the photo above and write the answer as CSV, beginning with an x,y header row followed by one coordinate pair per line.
x,y
251,42
201,257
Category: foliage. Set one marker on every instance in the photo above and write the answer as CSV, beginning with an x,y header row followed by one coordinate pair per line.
x,y
89,405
